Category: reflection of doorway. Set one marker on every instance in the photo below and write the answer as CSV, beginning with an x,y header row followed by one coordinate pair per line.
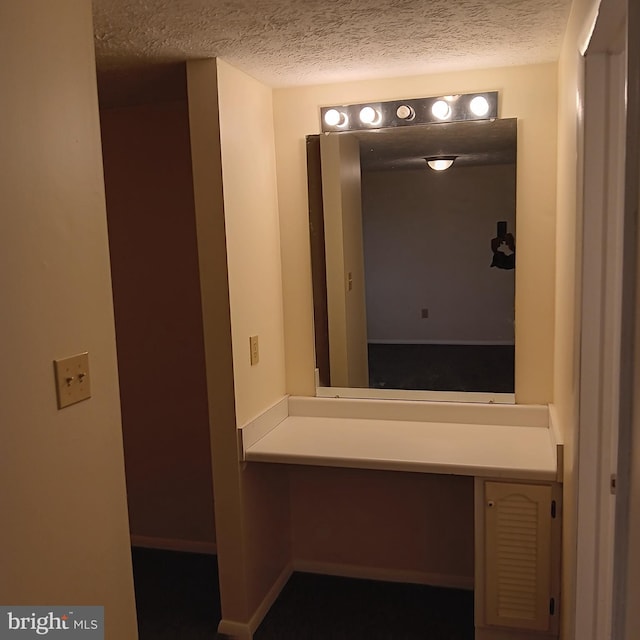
x,y
318,260
156,290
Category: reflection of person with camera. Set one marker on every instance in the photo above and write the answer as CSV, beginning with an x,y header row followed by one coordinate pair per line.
x,y
504,248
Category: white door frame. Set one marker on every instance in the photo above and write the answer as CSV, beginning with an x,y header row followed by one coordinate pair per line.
x,y
601,321
626,612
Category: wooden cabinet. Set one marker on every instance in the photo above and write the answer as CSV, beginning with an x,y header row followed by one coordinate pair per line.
x,y
517,560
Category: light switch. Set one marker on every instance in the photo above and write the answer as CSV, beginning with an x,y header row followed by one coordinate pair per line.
x,y
72,379
255,353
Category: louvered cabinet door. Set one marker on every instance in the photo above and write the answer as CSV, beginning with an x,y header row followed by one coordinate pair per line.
x,y
517,546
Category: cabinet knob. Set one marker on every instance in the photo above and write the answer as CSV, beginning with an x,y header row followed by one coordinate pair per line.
x,y
491,503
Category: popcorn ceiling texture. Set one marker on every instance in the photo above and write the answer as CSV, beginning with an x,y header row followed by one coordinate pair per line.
x,y
296,42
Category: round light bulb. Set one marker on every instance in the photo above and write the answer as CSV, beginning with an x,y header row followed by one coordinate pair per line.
x,y
440,109
479,106
405,112
334,118
368,115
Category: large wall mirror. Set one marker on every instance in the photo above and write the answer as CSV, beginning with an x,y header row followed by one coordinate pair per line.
x,y
414,268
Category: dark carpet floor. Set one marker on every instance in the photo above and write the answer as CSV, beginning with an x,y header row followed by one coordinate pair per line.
x,y
177,595
177,599
314,607
442,367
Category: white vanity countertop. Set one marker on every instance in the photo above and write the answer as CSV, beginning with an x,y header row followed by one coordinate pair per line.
x,y
523,450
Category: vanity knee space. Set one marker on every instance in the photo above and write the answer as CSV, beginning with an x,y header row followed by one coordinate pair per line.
x,y
517,559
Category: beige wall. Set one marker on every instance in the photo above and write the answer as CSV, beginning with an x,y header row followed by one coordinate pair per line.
x,y
253,238
568,247
231,137
255,294
156,288
526,93
419,234
62,488
416,527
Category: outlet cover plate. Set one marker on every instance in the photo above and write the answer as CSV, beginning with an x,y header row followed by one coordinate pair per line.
x,y
255,351
73,383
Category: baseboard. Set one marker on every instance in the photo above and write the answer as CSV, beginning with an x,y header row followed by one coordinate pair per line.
x,y
488,633
174,544
270,598
386,575
245,630
230,630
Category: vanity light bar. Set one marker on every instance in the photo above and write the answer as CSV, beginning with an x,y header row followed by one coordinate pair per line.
x,y
403,113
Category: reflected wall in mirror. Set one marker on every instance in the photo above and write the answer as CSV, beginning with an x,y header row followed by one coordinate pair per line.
x,y
414,269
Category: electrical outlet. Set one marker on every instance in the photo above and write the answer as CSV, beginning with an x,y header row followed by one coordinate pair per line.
x,y
255,352
72,379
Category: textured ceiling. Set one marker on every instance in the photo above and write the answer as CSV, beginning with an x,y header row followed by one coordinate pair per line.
x,y
479,142
295,42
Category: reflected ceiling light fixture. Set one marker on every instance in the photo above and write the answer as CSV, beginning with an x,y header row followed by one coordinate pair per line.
x,y
440,163
369,115
335,118
409,112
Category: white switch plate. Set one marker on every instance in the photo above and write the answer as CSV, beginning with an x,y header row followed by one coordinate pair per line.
x,y
72,379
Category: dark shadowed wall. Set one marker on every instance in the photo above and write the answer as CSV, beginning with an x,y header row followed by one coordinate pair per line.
x,y
154,262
